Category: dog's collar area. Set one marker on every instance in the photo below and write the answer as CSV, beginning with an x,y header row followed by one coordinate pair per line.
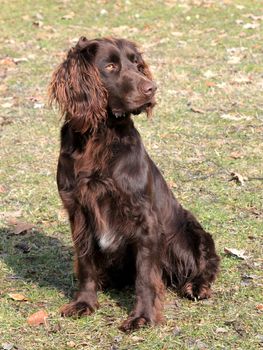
x,y
120,114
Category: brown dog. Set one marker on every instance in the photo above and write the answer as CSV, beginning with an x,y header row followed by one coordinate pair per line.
x,y
127,226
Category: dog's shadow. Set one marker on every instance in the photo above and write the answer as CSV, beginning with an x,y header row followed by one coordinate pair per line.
x,y
38,258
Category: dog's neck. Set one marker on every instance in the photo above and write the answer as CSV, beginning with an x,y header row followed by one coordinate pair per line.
x,y
119,121
120,125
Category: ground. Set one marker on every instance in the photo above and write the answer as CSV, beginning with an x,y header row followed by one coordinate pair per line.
x,y
205,136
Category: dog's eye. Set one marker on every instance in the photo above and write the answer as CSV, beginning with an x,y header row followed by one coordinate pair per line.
x,y
110,67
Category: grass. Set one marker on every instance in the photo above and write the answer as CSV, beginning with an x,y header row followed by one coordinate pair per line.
x,y
206,57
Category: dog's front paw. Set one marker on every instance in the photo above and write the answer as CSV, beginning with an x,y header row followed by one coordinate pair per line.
x,y
204,292
187,291
133,323
78,308
196,292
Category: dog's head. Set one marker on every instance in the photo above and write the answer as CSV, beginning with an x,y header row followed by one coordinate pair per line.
x,y
101,77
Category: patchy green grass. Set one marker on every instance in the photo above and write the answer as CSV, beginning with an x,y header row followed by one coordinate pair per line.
x,y
207,59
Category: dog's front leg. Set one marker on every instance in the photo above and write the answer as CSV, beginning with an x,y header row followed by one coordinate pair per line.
x,y
86,268
149,288
85,301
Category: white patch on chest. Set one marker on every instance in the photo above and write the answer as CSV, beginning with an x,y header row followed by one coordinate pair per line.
x,y
110,241
106,241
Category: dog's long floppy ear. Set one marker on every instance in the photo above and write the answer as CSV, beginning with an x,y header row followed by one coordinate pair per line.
x,y
78,90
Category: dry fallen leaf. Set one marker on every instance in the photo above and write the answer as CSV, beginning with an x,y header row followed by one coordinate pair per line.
x,y
236,50
37,318
10,216
251,25
4,121
236,155
239,21
242,79
7,61
177,331
17,297
210,83
22,227
259,307
137,339
240,7
69,16
7,104
38,105
236,117
248,277
8,346
49,29
62,215
221,330
39,16
26,18
234,59
240,254
209,74
20,60
177,33
197,110
103,12
255,18
38,24
172,184
2,189
3,88
238,178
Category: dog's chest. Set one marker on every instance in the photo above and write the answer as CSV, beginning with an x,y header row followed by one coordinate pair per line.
x,y
111,183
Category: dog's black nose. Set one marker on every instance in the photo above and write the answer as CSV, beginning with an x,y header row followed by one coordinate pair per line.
x,y
149,88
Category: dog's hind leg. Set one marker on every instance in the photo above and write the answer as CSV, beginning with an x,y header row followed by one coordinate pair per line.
x,y
191,260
